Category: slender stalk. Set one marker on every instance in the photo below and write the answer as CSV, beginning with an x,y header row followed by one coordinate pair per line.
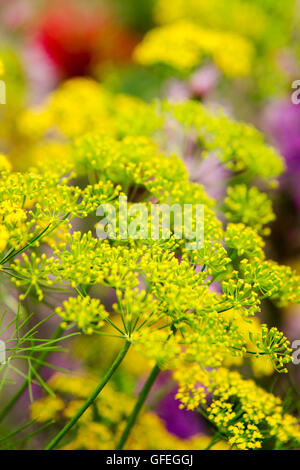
x,y
138,405
30,436
91,398
24,385
17,431
214,441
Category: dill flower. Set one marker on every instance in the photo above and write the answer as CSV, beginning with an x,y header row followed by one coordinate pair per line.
x,y
89,314
190,311
33,274
240,147
244,240
243,412
4,236
250,206
49,408
279,283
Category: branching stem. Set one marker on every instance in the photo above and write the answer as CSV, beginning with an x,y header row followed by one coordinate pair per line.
x,y
91,398
138,405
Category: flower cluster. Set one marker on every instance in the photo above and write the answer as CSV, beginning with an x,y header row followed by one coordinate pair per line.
x,y
253,34
86,312
243,413
185,310
238,146
184,46
249,206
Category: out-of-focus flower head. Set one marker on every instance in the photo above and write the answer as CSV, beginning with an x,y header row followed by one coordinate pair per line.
x,y
204,80
182,423
177,91
282,122
15,13
77,36
241,38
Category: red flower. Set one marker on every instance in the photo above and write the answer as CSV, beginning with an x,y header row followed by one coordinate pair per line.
x,y
77,37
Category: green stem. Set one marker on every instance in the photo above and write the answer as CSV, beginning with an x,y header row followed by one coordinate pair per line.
x,y
24,385
139,403
91,398
17,431
214,441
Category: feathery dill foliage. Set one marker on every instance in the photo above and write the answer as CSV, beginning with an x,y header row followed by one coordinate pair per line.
x,y
104,146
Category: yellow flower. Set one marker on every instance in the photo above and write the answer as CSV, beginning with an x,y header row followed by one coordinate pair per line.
x,y
47,409
4,236
5,163
183,45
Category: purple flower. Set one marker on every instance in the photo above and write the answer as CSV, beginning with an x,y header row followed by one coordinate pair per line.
x,y
282,123
282,120
162,399
177,91
208,172
182,423
204,80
